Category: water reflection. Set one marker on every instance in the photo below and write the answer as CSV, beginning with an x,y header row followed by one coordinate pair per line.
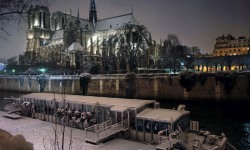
x,y
231,118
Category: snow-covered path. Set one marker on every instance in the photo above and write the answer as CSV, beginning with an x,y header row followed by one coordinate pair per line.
x,y
42,135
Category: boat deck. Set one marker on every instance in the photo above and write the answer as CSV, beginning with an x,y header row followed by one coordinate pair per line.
x,y
195,142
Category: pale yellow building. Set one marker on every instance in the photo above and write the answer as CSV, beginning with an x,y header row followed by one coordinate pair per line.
x,y
230,46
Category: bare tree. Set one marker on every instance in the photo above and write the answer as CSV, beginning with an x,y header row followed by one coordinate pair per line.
x,y
169,56
133,42
195,51
174,54
15,11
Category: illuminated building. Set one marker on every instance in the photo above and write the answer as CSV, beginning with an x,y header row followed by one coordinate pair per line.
x,y
71,41
230,46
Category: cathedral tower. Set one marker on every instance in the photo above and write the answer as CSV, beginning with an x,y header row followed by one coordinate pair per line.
x,y
92,12
38,32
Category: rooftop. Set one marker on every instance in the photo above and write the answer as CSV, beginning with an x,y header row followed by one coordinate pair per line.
x,y
91,100
161,114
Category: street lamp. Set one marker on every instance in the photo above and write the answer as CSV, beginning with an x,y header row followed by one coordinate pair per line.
x,y
13,71
43,70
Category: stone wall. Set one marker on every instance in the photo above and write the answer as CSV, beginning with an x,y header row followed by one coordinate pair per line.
x,y
146,87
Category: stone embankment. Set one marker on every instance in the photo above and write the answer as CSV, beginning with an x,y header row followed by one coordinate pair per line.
x,y
150,86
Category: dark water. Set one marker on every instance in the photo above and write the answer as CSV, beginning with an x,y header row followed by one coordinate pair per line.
x,y
3,95
231,118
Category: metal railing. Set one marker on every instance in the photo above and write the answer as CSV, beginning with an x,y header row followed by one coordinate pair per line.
x,y
106,129
96,128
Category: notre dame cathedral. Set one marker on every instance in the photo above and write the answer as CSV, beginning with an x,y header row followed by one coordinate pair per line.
x,y
116,43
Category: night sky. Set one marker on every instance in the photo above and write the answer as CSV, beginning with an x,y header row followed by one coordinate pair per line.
x,y
196,22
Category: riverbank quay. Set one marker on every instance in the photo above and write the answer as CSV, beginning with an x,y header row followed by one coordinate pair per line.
x,y
41,135
199,87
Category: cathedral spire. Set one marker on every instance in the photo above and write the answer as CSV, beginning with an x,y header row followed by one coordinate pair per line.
x,y
78,14
92,12
78,19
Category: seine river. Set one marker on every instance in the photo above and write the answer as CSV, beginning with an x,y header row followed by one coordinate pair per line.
x,y
233,119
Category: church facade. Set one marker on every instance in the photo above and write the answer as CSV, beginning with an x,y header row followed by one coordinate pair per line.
x,y
78,44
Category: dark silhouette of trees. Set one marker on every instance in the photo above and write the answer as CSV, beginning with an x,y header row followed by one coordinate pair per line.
x,y
195,51
174,54
133,48
126,50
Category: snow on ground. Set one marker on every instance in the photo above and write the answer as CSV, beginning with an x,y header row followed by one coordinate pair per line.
x,y
42,135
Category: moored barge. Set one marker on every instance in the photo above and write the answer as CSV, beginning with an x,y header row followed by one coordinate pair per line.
x,y
104,118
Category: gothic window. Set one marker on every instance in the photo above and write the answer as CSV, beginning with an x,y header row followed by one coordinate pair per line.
x,y
44,20
67,61
41,43
70,38
87,27
40,18
71,25
63,21
55,23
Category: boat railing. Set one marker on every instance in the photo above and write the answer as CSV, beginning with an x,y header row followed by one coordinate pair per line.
x,y
163,136
96,128
106,129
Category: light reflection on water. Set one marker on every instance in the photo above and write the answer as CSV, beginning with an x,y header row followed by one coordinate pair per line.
x,y
230,118
246,140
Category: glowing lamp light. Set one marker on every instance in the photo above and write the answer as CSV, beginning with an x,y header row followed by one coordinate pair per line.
x,y
43,70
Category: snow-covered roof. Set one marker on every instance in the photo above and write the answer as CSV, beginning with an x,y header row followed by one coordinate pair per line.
x,y
57,35
167,115
116,22
91,100
75,47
